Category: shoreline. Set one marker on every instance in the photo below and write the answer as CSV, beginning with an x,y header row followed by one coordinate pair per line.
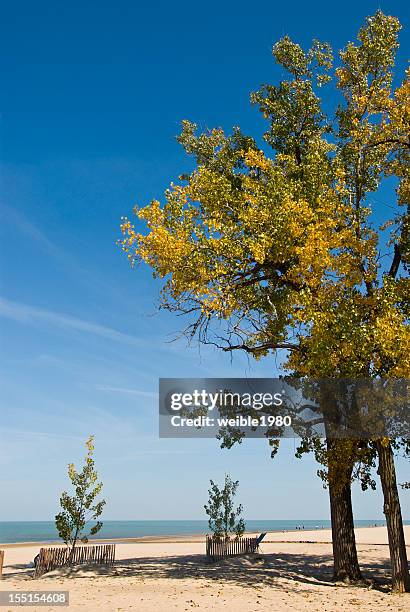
x,y
192,538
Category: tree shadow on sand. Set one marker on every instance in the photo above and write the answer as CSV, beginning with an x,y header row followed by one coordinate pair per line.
x,y
252,571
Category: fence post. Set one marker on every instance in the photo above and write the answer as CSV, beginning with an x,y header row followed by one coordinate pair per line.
x,y
1,563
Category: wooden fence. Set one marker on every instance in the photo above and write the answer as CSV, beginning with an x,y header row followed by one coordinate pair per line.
x,y
51,558
1,563
217,548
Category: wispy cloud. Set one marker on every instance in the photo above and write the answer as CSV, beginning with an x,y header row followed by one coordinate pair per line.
x,y
6,432
31,231
24,313
126,390
72,265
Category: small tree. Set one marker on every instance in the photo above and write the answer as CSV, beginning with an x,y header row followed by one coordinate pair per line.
x,y
223,518
80,509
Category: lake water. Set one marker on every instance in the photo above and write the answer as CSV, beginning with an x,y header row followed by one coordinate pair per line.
x,y
44,531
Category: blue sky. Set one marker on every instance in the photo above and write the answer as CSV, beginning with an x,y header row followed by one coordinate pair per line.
x,y
93,95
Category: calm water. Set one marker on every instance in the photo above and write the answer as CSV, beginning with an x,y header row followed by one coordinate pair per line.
x,y
44,531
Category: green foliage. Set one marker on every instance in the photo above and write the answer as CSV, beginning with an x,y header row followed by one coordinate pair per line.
x,y
223,517
281,253
81,508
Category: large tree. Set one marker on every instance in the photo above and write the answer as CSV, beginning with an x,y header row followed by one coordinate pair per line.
x,y
287,252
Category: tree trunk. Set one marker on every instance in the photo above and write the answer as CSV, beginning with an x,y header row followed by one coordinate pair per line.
x,y
392,511
345,563
346,566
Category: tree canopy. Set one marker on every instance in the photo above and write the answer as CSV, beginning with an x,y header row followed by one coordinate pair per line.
x,y
278,252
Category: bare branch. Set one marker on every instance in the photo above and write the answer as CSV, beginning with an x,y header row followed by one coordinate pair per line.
x,y
261,347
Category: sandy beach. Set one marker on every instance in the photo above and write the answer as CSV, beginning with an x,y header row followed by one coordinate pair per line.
x,y
293,571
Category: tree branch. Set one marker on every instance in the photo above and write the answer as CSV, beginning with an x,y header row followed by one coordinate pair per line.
x,y
395,264
261,347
